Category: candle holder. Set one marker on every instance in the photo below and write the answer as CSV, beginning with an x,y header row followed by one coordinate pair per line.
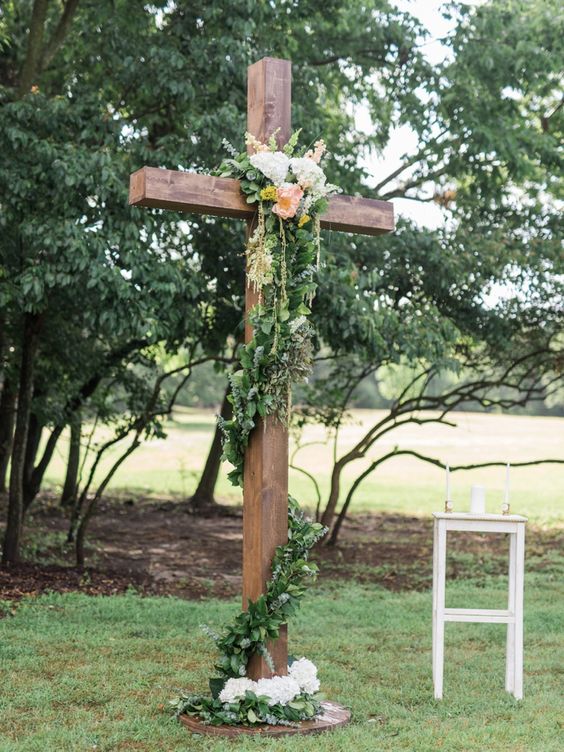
x,y
448,506
505,507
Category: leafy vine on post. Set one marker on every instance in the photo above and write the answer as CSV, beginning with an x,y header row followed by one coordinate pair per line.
x,y
290,190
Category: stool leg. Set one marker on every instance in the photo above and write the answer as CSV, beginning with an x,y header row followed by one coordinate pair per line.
x,y
510,645
438,653
519,583
435,573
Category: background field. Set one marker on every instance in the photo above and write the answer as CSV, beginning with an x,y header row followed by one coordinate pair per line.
x,y
172,465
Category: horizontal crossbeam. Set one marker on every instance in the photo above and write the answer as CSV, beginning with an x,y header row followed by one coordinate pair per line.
x,y
204,194
480,615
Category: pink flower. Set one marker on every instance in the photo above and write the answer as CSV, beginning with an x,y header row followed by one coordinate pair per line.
x,y
288,198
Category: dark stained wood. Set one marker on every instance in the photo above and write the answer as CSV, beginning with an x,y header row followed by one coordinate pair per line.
x,y
188,192
362,216
269,99
332,716
265,486
204,194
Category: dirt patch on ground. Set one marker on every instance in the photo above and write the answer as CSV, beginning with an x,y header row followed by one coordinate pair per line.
x,y
159,548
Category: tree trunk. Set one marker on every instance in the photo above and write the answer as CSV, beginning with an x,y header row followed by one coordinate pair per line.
x,y
12,536
34,46
329,511
7,419
68,496
34,431
33,482
203,497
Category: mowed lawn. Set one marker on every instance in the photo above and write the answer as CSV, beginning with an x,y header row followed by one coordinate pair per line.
x,y
86,673
404,484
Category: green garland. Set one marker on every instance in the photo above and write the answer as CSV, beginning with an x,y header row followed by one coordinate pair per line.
x,y
282,256
251,629
263,618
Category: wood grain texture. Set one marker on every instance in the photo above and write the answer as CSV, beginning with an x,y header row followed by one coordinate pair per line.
x,y
331,717
269,99
203,194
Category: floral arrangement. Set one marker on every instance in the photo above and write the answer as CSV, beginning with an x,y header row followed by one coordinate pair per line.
x,y
290,191
279,701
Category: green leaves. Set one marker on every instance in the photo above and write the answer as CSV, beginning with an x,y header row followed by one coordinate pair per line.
x,y
251,629
250,710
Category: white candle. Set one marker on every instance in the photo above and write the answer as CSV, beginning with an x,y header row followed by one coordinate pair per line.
x,y
447,483
478,500
506,494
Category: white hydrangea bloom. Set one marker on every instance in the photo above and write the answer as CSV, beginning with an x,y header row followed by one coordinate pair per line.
x,y
308,174
274,165
235,689
280,690
305,674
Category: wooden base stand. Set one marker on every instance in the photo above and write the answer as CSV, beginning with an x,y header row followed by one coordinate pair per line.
x,y
332,716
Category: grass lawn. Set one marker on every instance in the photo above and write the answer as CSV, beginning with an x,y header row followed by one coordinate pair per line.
x,y
404,484
93,673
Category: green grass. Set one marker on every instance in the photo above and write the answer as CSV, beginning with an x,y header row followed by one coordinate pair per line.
x,y
83,673
406,485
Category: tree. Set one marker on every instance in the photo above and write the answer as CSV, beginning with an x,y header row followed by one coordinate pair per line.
x,y
87,93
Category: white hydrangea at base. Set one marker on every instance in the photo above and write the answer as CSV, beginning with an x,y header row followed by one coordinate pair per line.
x,y
305,674
235,689
280,690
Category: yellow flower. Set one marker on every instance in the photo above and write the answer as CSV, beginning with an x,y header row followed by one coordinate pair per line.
x,y
268,193
304,219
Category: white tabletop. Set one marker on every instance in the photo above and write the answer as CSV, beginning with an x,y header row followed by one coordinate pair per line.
x,y
484,516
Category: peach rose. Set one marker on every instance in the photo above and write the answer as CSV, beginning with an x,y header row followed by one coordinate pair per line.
x,y
287,200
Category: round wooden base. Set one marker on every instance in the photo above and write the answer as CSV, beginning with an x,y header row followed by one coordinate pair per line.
x,y
332,716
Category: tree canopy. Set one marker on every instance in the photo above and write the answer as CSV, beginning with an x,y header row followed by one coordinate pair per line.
x,y
91,289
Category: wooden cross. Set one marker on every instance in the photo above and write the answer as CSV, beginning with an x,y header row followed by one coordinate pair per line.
x,y
265,494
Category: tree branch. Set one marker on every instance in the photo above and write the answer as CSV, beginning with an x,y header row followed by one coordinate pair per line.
x,y
60,33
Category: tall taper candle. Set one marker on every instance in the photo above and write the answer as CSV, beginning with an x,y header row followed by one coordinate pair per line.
x,y
506,495
447,483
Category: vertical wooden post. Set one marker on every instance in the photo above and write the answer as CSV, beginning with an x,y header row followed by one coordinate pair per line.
x,y
265,508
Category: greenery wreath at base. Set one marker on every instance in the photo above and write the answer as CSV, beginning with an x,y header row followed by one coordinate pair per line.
x,y
290,190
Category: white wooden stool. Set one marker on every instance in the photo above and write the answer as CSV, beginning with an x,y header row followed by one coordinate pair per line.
x,y
514,525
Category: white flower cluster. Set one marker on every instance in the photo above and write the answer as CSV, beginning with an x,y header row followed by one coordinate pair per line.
x,y
275,165
235,689
280,690
308,173
305,674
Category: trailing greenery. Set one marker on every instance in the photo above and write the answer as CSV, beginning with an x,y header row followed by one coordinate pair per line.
x,y
251,711
250,631
281,260
291,572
